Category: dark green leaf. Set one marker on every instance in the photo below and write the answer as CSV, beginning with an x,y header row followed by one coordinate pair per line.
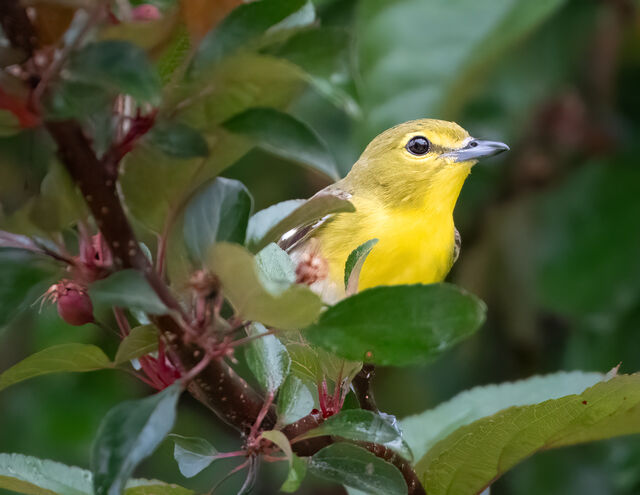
x,y
320,51
261,222
267,358
127,289
178,140
398,325
248,22
129,433
357,468
192,454
475,455
218,212
323,53
72,100
294,308
294,400
354,263
118,66
285,136
364,426
282,219
424,430
141,341
56,359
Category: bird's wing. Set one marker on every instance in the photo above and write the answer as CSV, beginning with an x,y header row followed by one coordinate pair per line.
x,y
296,236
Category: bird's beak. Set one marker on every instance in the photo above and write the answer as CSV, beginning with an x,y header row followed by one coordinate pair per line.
x,y
476,149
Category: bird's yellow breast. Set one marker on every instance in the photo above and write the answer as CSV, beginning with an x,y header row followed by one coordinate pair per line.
x,y
414,245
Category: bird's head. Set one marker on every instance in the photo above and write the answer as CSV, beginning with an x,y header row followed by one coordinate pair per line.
x,y
408,161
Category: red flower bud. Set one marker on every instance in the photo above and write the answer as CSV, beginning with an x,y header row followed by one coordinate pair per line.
x,y
146,12
74,304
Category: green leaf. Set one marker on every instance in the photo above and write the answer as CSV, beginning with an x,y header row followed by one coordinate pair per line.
x,y
267,358
59,204
56,359
357,468
153,487
315,364
76,100
33,476
401,80
127,289
276,269
475,455
24,474
178,140
398,325
364,426
218,212
129,433
141,341
285,136
248,22
281,218
21,273
320,51
323,53
118,66
424,430
354,263
192,454
295,400
261,222
294,308
295,476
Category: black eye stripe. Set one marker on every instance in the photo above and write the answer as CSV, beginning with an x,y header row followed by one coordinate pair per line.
x,y
418,145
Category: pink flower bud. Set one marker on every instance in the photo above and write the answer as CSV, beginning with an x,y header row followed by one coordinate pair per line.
x,y
146,12
74,304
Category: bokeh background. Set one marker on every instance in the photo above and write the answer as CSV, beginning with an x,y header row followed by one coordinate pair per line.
x,y
551,230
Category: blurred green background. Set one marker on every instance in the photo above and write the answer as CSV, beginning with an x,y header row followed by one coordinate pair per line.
x,y
551,230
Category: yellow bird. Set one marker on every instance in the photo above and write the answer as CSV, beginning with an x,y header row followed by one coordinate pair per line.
x,y
404,188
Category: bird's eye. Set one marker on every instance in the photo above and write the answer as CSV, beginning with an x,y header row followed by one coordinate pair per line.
x,y
418,145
